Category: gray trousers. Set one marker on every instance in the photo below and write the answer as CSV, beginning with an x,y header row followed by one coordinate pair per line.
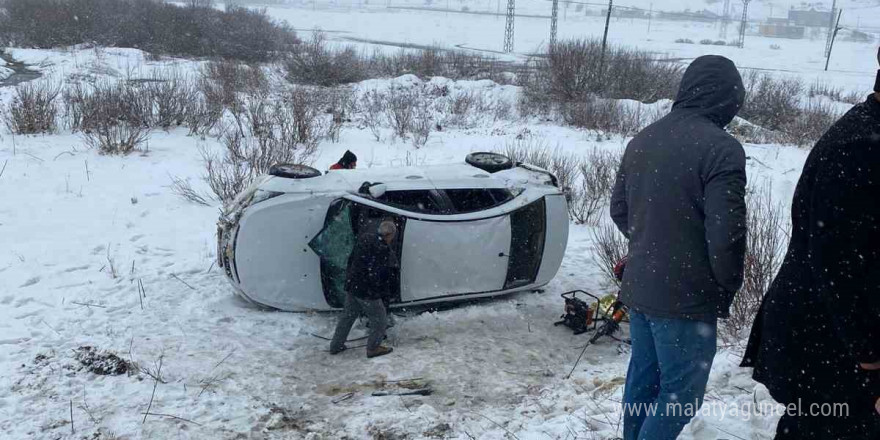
x,y
354,307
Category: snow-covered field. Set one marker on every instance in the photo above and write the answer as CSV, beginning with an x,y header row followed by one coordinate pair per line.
x,y
80,232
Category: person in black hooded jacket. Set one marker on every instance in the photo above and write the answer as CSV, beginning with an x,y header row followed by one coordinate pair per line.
x,y
816,340
680,200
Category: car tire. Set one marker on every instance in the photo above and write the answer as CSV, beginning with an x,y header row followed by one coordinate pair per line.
x,y
293,171
489,162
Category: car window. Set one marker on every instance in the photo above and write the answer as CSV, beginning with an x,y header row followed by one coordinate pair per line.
x,y
477,199
422,201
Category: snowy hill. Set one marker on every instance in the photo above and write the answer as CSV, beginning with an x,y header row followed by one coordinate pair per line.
x,y
100,251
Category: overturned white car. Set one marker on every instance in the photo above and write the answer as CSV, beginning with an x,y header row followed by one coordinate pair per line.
x,y
474,229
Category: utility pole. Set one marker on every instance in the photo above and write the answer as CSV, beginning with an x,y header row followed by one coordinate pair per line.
x,y
605,40
833,36
744,23
831,29
508,27
650,14
725,20
554,16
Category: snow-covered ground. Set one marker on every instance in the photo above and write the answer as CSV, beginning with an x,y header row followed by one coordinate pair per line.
x,y
80,232
851,64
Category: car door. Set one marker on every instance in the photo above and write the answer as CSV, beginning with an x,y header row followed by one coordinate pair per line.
x,y
442,259
451,258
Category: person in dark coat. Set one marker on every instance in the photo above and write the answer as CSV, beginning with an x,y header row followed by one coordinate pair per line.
x,y
680,200
348,162
368,283
816,340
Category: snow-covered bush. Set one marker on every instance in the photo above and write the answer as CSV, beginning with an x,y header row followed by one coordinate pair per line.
x,y
33,108
609,247
107,103
778,112
812,121
588,179
820,88
268,132
607,115
768,232
778,108
173,97
116,137
316,62
400,111
770,102
590,193
537,152
156,27
371,110
570,72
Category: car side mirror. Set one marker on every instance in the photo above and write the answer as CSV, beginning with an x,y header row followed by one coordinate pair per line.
x,y
378,190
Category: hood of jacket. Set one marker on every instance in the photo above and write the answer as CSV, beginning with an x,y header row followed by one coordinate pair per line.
x,y
713,87
347,159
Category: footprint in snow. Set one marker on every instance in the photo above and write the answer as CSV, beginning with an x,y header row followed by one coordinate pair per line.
x,y
98,249
137,237
30,282
7,299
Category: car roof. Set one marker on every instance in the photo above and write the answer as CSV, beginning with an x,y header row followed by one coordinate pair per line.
x,y
396,179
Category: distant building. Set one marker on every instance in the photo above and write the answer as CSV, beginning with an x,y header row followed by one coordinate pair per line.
x,y
781,30
809,18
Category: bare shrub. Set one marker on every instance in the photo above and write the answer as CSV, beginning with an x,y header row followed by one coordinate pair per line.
x,y
172,96
184,189
108,103
226,175
591,193
116,138
400,111
372,105
434,61
300,116
838,94
33,108
284,131
340,105
221,83
569,71
770,102
776,109
609,247
768,233
316,63
605,115
153,26
810,124
538,153
422,123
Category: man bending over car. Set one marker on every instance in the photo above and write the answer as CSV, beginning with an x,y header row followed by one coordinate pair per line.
x,y
368,282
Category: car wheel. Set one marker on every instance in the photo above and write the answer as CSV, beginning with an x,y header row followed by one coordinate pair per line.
x,y
489,162
293,171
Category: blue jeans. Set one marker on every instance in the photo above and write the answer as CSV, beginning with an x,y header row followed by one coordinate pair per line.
x,y
667,375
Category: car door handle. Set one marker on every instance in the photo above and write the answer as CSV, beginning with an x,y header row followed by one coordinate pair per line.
x,y
502,255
